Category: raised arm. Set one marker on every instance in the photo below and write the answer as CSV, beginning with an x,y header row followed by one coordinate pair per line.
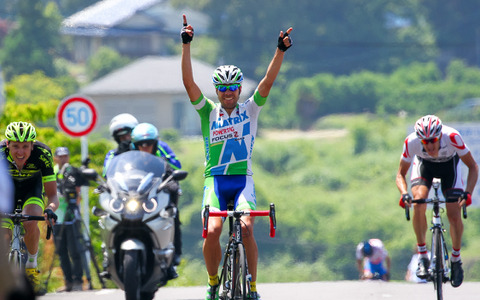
x,y
192,88
284,42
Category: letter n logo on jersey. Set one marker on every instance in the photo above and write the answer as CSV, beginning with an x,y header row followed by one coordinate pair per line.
x,y
235,148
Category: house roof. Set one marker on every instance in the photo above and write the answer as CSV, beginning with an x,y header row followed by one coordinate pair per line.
x,y
121,17
157,74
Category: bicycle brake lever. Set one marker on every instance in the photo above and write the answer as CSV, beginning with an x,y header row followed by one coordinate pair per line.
x,y
206,213
49,232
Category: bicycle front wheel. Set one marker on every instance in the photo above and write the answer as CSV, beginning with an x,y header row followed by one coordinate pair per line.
x,y
239,274
439,262
15,258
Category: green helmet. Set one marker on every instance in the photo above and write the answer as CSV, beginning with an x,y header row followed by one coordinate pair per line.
x,y
20,132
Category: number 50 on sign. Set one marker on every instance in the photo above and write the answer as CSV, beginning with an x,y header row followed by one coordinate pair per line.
x,y
76,115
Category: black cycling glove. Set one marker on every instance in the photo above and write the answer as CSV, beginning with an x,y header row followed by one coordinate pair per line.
x,y
186,38
50,214
406,198
281,44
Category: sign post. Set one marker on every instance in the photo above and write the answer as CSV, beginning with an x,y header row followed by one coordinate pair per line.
x,y
77,116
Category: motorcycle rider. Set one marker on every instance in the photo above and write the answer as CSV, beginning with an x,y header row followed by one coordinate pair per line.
x,y
145,138
121,127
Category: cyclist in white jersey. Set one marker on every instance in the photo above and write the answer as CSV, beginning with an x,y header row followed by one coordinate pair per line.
x,y
372,258
436,150
229,130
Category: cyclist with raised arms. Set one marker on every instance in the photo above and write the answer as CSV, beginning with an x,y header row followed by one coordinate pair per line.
x,y
30,165
229,130
435,151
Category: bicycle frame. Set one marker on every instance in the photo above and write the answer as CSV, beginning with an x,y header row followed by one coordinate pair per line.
x,y
235,278
15,256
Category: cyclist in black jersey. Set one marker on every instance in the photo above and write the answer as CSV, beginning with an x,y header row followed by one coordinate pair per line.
x,y
30,165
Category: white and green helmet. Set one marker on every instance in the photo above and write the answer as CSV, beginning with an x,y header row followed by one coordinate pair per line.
x,y
228,74
20,132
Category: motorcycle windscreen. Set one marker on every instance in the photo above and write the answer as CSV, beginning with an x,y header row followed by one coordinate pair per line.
x,y
128,169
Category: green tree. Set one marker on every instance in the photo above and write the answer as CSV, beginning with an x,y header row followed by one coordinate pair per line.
x,y
104,61
37,88
31,45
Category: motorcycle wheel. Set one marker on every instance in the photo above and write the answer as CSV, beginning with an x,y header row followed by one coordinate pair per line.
x,y
131,275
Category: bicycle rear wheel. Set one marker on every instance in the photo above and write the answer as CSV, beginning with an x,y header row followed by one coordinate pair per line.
x,y
239,274
439,265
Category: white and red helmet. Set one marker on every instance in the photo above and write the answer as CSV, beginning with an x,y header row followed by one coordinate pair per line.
x,y
428,127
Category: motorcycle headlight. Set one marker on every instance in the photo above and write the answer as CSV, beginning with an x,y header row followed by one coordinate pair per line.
x,y
132,205
150,205
116,205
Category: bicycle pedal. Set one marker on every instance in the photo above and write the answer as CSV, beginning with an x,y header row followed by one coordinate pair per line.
x,y
105,275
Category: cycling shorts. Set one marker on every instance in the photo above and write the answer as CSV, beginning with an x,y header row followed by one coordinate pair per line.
x,y
423,172
220,190
374,268
28,191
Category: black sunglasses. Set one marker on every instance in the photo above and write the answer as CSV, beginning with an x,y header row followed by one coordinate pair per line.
x,y
145,143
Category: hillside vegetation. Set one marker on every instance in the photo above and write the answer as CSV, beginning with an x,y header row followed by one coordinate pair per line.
x,y
330,194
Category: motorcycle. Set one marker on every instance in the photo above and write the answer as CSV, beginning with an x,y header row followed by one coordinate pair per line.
x,y
137,223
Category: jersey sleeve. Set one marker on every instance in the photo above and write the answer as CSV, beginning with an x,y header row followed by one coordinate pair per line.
x,y
46,159
168,153
456,140
409,149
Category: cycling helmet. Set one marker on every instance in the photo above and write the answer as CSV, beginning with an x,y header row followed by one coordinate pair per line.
x,y
20,132
428,127
367,248
122,124
228,74
144,132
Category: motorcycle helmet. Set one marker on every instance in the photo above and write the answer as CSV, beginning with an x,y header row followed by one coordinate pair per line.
x,y
228,74
144,134
428,127
122,124
20,132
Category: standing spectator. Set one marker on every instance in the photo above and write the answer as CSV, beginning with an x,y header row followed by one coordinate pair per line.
x,y
67,230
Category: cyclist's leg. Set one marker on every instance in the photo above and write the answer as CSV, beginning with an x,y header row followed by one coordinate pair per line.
x,y
421,179
246,200
452,187
6,231
33,206
212,251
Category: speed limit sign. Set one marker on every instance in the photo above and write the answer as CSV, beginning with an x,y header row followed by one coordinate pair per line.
x,y
76,115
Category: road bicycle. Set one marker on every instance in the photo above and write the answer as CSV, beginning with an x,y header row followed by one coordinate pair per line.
x,y
439,270
235,278
18,250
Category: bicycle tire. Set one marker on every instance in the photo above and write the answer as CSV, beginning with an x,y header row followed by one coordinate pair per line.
x,y
439,267
15,258
225,275
239,274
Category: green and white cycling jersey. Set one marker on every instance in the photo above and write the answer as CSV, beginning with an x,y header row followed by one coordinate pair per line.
x,y
229,139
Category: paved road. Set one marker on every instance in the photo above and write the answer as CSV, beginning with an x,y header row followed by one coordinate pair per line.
x,y
338,290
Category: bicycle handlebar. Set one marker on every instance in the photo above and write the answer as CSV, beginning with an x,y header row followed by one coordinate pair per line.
x,y
22,218
239,213
429,200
